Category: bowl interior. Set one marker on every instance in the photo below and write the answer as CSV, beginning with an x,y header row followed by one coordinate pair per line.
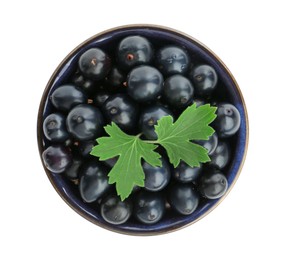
x,y
228,91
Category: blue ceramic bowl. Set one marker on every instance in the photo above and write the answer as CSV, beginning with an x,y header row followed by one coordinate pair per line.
x,y
228,90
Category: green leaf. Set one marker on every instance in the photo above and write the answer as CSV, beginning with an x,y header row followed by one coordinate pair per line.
x,y
192,124
127,172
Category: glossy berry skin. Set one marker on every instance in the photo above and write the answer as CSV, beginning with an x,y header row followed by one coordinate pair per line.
x,y
87,85
85,122
94,64
144,83
111,162
72,173
66,97
221,155
227,122
149,207
178,91
199,102
184,173
115,78
213,184
210,144
183,198
100,98
54,128
134,51
57,158
205,79
93,181
121,110
83,148
149,117
172,60
115,211
156,178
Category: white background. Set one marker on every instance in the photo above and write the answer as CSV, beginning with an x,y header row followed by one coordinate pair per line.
x,y
248,36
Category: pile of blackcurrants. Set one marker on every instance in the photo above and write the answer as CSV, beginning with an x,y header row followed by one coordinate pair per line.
x,y
135,88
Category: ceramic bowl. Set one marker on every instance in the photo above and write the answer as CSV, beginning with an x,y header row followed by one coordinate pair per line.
x,y
228,90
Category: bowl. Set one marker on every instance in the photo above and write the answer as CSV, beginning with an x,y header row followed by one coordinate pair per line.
x,y
228,90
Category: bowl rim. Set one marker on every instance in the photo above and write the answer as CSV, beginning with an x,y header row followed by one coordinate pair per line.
x,y
40,123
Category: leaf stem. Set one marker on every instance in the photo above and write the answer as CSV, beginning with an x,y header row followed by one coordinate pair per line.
x,y
148,141
151,141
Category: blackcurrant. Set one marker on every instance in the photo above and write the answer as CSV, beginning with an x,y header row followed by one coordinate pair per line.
x,y
84,148
184,173
210,144
87,85
183,198
199,102
115,211
111,162
100,98
85,122
156,178
149,117
178,91
213,184
149,207
227,122
133,51
66,97
93,181
122,110
94,64
172,60
205,79
115,78
221,155
144,83
54,128
57,158
72,173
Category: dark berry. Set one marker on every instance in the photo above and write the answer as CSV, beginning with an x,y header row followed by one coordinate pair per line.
x,y
85,122
57,158
54,128
84,148
183,198
221,155
149,117
93,181
185,173
94,64
72,173
210,144
204,78
227,122
111,162
115,78
66,97
199,102
115,211
144,83
178,91
100,98
133,51
121,110
213,184
87,85
149,207
156,178
172,60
